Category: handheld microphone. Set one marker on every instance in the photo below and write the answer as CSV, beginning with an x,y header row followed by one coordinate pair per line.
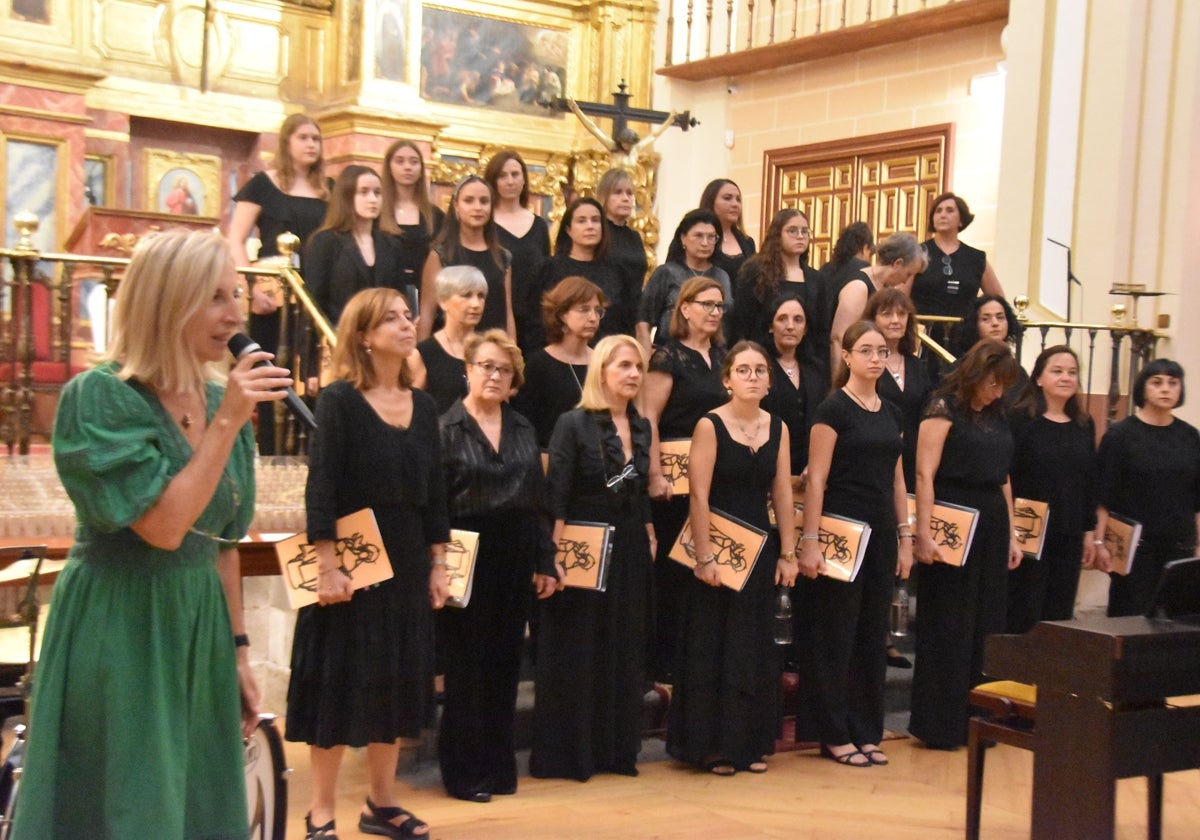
x,y
241,344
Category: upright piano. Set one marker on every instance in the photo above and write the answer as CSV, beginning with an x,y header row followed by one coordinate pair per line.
x,y
1102,715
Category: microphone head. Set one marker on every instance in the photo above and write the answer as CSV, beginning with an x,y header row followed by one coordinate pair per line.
x,y
240,344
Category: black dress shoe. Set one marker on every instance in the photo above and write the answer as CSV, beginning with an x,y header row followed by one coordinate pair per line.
x,y
471,795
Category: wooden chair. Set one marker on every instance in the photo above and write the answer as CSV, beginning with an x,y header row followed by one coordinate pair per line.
x,y
1009,718
1010,711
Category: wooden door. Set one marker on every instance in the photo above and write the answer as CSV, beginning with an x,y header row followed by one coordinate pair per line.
x,y
885,180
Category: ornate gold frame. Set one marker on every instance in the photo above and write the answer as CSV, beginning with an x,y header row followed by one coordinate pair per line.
x,y
204,168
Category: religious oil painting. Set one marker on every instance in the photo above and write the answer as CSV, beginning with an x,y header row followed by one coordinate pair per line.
x,y
488,63
183,184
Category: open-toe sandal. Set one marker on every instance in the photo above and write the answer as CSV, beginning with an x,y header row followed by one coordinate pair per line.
x,y
876,757
846,759
379,822
319,832
719,767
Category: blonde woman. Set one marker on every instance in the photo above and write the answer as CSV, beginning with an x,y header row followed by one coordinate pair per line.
x,y
591,649
158,459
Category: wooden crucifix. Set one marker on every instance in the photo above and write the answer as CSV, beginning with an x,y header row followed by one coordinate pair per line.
x,y
624,145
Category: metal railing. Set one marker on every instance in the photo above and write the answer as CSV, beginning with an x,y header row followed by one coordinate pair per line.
x,y
306,337
1125,360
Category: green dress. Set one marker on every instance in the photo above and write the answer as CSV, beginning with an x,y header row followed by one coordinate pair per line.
x,y
136,727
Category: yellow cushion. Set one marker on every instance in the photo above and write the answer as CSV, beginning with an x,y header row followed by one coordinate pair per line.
x,y
1023,692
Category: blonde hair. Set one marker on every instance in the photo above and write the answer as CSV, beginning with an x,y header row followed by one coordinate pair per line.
x,y
500,338
363,313
593,398
171,277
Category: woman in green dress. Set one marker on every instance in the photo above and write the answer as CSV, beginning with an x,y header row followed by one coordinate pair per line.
x,y
137,723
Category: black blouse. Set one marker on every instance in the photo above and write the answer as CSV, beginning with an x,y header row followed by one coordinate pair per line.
x,y
696,387
979,446
622,302
1055,463
445,376
280,212
862,472
911,402
732,263
1151,474
495,311
529,252
795,406
951,281
551,388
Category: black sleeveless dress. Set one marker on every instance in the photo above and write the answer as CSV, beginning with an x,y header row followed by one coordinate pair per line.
x,y
726,701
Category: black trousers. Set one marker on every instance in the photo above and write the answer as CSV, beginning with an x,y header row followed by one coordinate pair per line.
x,y
1044,590
844,664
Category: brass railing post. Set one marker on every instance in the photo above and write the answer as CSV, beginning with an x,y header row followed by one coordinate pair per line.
x,y
24,257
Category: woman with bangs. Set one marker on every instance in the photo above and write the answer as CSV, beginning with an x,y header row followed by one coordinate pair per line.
x,y
469,237
290,197
362,660
592,644
158,458
525,235
964,453
1150,473
1054,462
572,312
407,214
780,268
581,250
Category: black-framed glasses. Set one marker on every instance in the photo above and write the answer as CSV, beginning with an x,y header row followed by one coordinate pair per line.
x,y
710,306
489,370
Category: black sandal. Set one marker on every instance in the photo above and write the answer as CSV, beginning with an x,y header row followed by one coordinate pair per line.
x,y
379,821
319,832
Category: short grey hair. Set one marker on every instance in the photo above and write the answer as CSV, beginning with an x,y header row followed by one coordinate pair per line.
x,y
904,247
459,280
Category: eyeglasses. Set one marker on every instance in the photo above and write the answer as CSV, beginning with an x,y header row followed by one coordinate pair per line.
x,y
489,370
703,237
585,311
615,482
710,306
947,268
746,372
872,352
797,231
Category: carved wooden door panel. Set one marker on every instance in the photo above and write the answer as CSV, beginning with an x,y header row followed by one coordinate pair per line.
x,y
886,180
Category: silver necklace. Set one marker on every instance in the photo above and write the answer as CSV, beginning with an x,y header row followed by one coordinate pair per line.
x,y
750,437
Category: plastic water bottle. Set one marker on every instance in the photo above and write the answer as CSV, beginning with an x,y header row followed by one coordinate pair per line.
x,y
783,616
900,610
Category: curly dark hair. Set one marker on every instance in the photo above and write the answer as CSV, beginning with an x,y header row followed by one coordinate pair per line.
x,y
965,333
769,259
